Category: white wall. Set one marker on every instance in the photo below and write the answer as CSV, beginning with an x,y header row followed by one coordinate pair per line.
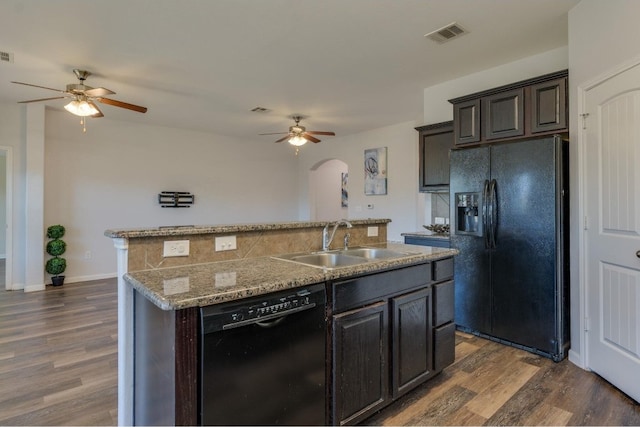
x,y
3,203
400,202
12,124
325,191
602,36
110,177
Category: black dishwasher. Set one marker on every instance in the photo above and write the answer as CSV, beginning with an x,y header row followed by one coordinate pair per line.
x,y
263,360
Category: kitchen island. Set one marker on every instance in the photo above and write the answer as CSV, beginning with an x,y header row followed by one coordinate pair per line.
x,y
167,300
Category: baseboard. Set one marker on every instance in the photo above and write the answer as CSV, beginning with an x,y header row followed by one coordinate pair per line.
x,y
576,359
77,279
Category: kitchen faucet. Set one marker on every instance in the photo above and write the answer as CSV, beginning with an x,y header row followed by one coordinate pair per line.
x,y
326,239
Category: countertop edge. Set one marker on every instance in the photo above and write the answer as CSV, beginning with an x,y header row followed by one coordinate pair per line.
x,y
226,228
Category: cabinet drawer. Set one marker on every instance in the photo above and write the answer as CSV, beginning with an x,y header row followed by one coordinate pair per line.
x,y
443,269
445,346
443,303
367,289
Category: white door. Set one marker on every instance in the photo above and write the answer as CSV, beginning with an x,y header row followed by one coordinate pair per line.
x,y
613,234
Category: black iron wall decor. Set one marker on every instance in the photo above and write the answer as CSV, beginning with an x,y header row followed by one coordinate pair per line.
x,y
175,199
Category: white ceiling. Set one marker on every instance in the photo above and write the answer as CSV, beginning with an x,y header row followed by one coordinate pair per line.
x,y
349,65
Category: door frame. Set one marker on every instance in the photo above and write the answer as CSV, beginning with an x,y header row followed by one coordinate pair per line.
x,y
582,360
9,217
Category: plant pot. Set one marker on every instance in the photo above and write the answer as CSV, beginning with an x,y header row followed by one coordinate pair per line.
x,y
57,280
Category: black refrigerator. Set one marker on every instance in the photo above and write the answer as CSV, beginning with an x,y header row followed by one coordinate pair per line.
x,y
509,220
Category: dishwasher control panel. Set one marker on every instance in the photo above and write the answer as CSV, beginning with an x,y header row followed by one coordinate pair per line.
x,y
264,308
272,306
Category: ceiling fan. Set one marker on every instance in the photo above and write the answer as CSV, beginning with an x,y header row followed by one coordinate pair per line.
x,y
83,97
299,135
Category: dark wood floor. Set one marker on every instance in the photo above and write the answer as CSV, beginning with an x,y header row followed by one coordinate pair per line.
x,y
58,355
494,384
58,366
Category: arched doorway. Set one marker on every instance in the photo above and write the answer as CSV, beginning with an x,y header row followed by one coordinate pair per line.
x,y
326,202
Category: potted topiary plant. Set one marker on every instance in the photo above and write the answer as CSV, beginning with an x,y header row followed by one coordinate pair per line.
x,y
56,247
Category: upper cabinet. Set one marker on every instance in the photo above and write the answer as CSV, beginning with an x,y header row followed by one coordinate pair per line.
x,y
530,107
434,144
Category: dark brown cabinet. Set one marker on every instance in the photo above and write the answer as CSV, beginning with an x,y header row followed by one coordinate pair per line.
x,y
412,345
434,143
530,107
384,336
504,114
361,368
467,121
548,106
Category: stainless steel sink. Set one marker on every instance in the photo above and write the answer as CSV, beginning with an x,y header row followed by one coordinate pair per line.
x,y
324,259
373,253
341,258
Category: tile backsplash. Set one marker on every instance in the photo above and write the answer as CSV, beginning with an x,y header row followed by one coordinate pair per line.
x,y
439,206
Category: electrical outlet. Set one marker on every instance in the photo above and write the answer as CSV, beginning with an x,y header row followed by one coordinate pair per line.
x,y
87,255
225,243
175,248
372,231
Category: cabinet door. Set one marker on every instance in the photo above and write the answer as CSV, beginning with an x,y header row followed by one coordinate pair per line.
x,y
504,114
549,106
435,143
412,340
466,122
360,365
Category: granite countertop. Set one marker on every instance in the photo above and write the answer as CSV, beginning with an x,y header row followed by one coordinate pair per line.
x,y
183,230
429,234
217,282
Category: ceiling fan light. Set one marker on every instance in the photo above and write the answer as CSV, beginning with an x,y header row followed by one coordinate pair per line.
x,y
297,140
81,108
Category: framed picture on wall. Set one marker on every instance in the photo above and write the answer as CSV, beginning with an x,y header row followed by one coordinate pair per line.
x,y
345,194
375,171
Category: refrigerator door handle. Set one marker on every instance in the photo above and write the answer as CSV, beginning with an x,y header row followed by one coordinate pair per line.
x,y
485,214
493,214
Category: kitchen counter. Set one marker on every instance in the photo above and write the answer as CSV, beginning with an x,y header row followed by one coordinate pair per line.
x,y
217,282
177,286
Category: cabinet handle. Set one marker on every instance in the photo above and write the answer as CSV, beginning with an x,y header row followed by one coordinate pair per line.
x,y
638,254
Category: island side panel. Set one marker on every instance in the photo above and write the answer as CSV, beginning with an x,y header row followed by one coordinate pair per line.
x,y
166,364
187,323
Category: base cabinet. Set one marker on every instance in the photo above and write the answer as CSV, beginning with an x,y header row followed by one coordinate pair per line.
x,y
361,368
384,337
412,346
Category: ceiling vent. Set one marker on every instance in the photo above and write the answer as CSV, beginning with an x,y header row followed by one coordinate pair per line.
x,y
6,57
447,33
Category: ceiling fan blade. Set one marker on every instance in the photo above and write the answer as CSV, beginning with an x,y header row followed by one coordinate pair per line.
x,y
121,104
282,139
41,87
319,132
98,91
274,133
309,137
41,99
99,113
